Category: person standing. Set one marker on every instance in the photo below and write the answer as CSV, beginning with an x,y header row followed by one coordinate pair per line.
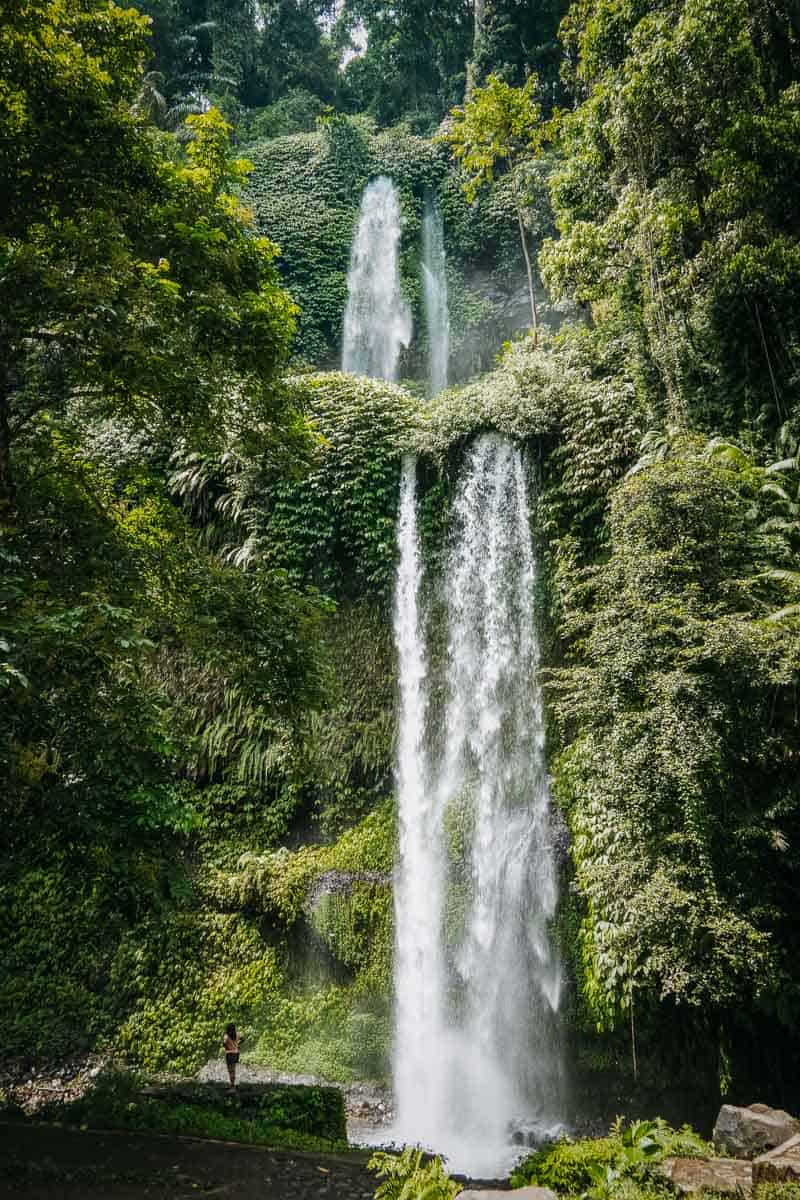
x,y
231,1043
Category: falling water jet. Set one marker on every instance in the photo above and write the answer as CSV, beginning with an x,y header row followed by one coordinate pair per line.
x,y
477,983
435,292
419,958
377,319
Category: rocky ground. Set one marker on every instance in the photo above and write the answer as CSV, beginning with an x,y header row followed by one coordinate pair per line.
x,y
47,1162
32,1086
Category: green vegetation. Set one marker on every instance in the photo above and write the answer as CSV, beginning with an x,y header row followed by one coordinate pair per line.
x,y
628,1153
500,124
304,1118
306,190
197,519
412,1176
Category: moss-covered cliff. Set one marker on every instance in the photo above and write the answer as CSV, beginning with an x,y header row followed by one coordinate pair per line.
x,y
306,190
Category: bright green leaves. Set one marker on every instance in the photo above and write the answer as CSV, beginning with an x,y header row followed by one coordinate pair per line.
x,y
408,1174
497,124
127,279
572,1168
215,169
67,71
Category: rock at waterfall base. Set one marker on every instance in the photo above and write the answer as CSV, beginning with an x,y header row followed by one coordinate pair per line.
x,y
748,1132
526,1193
779,1165
716,1174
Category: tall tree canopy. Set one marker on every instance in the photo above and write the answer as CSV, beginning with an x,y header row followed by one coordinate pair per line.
x,y
129,280
676,197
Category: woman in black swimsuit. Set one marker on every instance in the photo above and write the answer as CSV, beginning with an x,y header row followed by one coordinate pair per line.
x,y
231,1043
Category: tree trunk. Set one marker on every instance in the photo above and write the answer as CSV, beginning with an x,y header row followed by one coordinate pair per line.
x,y
524,240
8,495
479,11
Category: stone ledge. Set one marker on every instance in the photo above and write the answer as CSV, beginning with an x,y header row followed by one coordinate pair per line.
x,y
313,1109
717,1174
779,1165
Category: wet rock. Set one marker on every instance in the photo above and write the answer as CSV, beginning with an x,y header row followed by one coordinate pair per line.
x,y
748,1132
779,1165
717,1174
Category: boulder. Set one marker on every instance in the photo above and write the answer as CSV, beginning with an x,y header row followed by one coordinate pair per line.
x,y
716,1174
526,1193
779,1165
748,1132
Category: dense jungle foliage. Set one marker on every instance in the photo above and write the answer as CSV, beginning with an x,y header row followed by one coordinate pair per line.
x,y
197,511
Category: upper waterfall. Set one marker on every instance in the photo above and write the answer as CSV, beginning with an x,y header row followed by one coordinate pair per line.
x,y
435,291
477,982
377,320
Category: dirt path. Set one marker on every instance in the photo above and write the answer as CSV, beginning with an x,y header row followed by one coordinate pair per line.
x,y
46,1163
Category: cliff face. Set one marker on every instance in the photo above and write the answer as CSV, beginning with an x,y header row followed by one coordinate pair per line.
x,y
306,191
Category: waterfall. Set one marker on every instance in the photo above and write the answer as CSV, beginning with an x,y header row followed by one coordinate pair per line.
x,y
377,320
419,959
477,983
435,289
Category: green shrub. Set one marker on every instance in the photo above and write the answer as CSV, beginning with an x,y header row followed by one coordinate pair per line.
x,y
332,1032
566,1166
335,525
283,1114
407,1176
628,1151
777,1191
296,112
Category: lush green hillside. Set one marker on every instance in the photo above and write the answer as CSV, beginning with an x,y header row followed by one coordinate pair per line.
x,y
197,516
306,191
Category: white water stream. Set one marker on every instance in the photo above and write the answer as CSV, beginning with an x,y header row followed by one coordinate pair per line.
x,y
377,320
434,281
477,984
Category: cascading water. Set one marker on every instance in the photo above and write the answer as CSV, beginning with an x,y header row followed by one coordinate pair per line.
x,y
419,958
435,291
377,320
477,984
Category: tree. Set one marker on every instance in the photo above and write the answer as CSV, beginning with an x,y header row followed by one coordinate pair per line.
x,y
512,39
673,203
129,281
679,772
414,62
499,124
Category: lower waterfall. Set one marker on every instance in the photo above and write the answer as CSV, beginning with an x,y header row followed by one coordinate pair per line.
x,y
476,980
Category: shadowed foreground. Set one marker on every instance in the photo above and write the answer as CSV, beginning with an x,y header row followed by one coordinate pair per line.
x,y
47,1163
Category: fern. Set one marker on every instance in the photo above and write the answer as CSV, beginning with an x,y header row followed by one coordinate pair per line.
x,y
407,1177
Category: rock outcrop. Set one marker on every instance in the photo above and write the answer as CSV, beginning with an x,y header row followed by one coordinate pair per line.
x,y
717,1174
779,1165
749,1132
